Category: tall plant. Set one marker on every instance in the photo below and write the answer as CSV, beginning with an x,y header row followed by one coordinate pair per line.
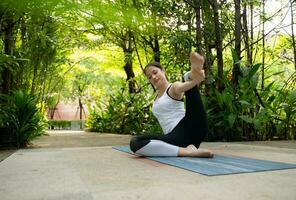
x,y
243,112
22,115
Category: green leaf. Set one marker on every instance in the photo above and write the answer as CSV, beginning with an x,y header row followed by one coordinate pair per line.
x,y
231,119
246,119
292,96
277,73
243,102
268,87
257,123
271,99
253,70
286,107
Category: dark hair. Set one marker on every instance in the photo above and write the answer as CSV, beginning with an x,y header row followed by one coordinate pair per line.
x,y
157,65
153,64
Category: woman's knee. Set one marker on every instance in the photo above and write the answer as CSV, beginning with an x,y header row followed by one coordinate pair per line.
x,y
137,143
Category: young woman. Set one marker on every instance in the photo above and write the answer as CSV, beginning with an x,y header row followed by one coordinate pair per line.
x,y
183,129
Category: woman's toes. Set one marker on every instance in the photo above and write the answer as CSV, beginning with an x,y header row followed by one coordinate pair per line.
x,y
197,61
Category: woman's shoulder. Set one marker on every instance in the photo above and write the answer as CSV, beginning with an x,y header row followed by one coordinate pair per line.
x,y
173,92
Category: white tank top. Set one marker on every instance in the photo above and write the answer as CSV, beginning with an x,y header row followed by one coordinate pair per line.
x,y
168,111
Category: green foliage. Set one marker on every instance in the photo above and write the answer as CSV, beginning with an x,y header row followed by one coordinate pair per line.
x,y
45,32
52,100
12,64
59,124
125,113
20,113
244,113
284,108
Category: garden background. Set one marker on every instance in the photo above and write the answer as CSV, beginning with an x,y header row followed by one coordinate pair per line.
x,y
93,52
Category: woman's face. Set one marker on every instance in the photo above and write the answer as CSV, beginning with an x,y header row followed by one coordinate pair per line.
x,y
156,76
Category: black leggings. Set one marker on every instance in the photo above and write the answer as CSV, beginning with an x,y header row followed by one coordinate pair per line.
x,y
190,130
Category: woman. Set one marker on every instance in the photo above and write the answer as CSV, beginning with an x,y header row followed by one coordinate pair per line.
x,y
183,129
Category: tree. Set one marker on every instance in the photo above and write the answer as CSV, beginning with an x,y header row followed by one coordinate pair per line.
x,y
292,31
198,35
246,34
218,44
29,37
263,44
81,83
117,29
152,30
250,55
9,21
237,49
209,44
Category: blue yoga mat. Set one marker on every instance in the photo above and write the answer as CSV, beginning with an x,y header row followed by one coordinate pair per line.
x,y
219,165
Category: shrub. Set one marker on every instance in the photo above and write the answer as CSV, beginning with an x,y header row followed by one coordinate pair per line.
x,y
244,112
125,113
19,113
60,124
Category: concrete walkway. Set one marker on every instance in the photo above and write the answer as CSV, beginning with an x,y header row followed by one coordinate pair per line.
x,y
79,165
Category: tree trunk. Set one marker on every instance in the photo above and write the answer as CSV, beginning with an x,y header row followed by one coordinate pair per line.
x,y
154,45
189,31
129,76
218,45
246,35
128,59
80,111
263,44
293,37
251,32
154,41
198,34
52,112
207,18
8,40
34,77
237,34
156,49
42,95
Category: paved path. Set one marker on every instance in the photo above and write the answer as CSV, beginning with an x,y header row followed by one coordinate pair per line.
x,y
78,165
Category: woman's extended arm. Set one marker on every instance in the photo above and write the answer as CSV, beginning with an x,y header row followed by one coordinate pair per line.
x,y
178,88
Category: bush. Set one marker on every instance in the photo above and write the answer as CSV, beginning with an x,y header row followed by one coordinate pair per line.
x,y
244,112
60,124
124,113
20,115
236,113
65,124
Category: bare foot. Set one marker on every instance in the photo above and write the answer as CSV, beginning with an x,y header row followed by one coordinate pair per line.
x,y
192,151
197,62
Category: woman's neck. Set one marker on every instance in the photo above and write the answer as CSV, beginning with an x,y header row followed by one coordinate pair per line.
x,y
162,88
